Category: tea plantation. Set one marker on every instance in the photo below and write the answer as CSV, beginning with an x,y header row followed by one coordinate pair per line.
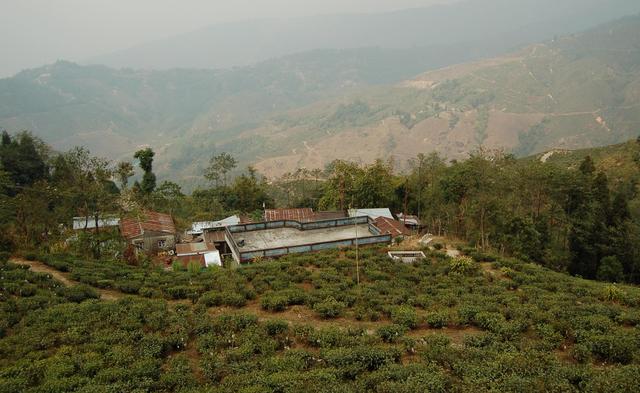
x,y
302,324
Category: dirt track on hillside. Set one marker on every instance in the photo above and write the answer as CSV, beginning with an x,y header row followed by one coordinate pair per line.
x,y
39,267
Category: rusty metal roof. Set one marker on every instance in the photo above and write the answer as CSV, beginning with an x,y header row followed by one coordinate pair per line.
x,y
302,214
149,221
393,227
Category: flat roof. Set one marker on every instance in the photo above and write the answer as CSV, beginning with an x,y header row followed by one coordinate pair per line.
x,y
291,237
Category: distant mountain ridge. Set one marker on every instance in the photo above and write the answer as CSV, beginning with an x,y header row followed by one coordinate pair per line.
x,y
466,22
307,109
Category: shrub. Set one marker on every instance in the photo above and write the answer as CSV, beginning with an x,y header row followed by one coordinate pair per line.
x,y
405,316
274,301
275,327
391,333
329,308
194,267
610,269
176,266
80,293
614,347
462,265
581,353
227,298
437,320
612,293
129,286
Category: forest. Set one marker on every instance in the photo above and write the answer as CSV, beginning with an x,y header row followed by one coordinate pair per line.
x,y
523,309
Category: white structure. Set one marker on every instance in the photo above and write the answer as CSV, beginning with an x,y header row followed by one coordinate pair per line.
x,y
197,228
406,256
82,222
213,258
372,213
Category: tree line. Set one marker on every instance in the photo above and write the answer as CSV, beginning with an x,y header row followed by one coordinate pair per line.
x,y
572,219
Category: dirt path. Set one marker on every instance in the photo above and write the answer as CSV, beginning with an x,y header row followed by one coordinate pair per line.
x,y
39,267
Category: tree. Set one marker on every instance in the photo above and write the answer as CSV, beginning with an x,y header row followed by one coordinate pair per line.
x,y
610,269
219,166
124,170
23,157
145,157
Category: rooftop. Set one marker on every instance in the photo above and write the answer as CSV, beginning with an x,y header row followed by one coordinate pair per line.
x,y
373,213
149,221
302,214
290,237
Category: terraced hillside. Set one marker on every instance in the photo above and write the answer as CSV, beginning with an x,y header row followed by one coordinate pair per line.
x,y
302,324
573,92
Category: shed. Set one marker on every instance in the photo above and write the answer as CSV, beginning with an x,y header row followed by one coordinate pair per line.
x,y
149,231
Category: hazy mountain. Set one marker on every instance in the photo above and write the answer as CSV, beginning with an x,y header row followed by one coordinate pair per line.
x,y
307,109
577,91
481,22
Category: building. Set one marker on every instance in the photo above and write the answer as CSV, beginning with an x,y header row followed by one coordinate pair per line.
x,y
198,228
411,222
203,253
276,238
393,227
372,213
151,232
301,215
89,223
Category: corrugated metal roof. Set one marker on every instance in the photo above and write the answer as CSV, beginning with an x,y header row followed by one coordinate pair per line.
x,y
193,248
149,221
408,219
329,215
393,227
373,213
200,226
302,214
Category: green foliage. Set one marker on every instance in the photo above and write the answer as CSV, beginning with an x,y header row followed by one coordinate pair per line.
x,y
391,333
329,308
610,269
462,265
405,316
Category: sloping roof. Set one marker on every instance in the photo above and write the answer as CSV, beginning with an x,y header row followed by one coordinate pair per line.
x,y
214,236
193,248
131,227
408,219
393,227
200,226
105,222
303,214
373,213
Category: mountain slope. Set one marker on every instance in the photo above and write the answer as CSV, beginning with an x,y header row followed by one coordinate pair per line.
x,y
308,109
477,22
578,91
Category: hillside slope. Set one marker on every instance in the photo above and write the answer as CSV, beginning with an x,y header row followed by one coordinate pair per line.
x,y
307,109
302,324
573,92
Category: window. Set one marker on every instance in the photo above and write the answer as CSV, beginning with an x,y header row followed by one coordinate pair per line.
x,y
138,244
162,243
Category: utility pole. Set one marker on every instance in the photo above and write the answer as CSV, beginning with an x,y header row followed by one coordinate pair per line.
x,y
357,256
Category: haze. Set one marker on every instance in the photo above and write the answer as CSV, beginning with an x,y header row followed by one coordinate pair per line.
x,y
36,32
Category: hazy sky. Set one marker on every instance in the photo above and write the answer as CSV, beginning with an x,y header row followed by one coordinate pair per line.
x,y
37,32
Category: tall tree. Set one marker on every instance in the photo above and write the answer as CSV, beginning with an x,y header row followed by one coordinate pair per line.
x,y
124,170
219,166
145,158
